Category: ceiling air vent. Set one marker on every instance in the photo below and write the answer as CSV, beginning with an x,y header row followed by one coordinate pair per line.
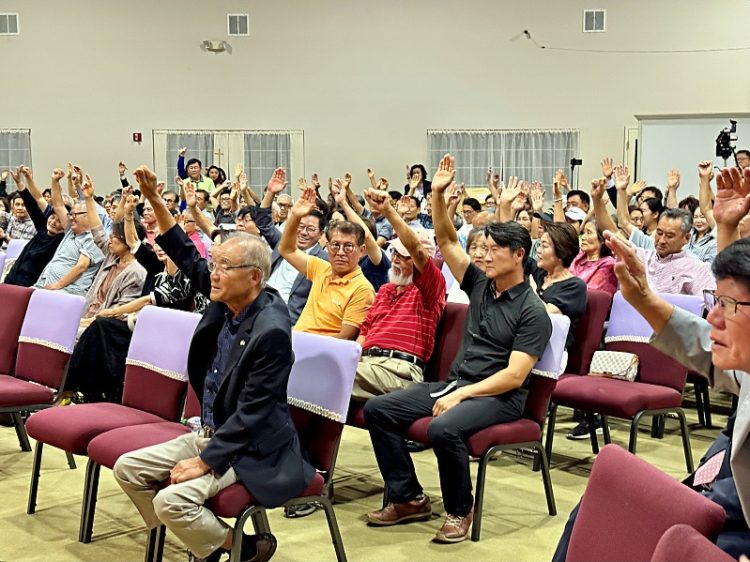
x,y
238,24
594,21
9,24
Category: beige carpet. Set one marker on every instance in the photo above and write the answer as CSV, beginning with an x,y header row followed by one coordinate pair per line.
x,y
516,525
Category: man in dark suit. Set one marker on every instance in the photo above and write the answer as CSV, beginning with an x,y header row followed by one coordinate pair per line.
x,y
293,286
239,367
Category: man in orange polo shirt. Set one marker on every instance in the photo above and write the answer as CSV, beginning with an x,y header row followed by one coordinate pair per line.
x,y
340,295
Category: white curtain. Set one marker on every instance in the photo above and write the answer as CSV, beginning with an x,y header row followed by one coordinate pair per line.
x,y
15,148
532,155
264,152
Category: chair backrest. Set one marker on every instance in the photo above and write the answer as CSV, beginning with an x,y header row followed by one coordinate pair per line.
x,y
14,249
13,301
628,331
588,332
683,543
47,337
450,334
192,404
318,392
627,507
156,365
2,265
449,279
547,370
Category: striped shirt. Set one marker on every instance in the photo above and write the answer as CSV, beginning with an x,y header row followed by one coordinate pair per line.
x,y
407,321
72,247
678,274
18,229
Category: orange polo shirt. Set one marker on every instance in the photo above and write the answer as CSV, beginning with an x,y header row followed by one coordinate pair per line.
x,y
334,302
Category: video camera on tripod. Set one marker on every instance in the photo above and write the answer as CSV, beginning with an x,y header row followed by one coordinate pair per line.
x,y
725,142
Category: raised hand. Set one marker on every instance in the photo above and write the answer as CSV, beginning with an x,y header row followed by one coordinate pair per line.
x,y
629,270
179,181
182,151
305,204
278,181
77,176
315,181
71,171
537,197
238,170
330,183
130,203
378,200
622,177
445,173
732,200
347,181
598,188
4,175
146,181
607,169
451,194
88,188
17,177
637,187
382,184
190,198
26,171
408,173
511,191
414,182
242,178
160,186
706,170
302,184
371,177
57,174
122,168
673,179
339,193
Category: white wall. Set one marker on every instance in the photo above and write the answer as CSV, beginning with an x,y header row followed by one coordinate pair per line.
x,y
364,79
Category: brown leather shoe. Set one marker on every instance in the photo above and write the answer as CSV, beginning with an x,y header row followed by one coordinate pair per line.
x,y
455,529
395,513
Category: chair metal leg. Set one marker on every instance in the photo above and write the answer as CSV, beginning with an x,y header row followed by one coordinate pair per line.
x,y
591,420
333,529
551,507
88,506
23,438
34,485
634,432
550,431
476,527
686,441
699,405
71,460
707,408
155,544
605,429
657,426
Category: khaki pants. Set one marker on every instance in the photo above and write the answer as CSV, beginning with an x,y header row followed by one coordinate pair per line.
x,y
381,375
178,506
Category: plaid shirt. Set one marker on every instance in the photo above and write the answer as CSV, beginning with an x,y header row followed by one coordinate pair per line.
x,y
18,229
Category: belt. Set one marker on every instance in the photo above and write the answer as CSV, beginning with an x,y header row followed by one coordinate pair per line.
x,y
207,431
393,354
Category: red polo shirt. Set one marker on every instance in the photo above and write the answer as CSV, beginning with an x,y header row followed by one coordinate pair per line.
x,y
407,321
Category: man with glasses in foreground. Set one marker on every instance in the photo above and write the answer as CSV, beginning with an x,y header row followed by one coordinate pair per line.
x,y
239,364
340,295
717,347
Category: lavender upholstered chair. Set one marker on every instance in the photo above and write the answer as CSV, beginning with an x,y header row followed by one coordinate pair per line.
x,y
44,348
525,433
155,383
14,249
656,391
448,274
319,388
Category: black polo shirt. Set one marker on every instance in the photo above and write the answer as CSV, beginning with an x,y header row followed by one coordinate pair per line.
x,y
515,321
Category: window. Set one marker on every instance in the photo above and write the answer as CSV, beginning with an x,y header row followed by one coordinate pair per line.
x,y
238,25
15,148
532,155
9,24
594,21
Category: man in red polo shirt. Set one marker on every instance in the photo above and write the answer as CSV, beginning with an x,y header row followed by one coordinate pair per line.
x,y
398,333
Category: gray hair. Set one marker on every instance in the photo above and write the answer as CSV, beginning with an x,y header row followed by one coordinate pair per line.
x,y
686,218
254,251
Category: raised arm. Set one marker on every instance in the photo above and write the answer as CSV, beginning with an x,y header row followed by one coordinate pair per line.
x,y
705,194
673,182
34,191
731,205
504,209
181,171
371,177
288,243
147,182
73,273
603,220
58,205
381,202
558,185
128,205
371,245
447,238
350,197
622,180
201,220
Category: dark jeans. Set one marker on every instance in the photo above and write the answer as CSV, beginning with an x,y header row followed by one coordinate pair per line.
x,y
389,417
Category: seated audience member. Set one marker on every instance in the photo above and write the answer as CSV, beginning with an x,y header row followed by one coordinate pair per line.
x,y
19,224
669,267
149,222
383,228
41,248
340,295
506,331
189,225
595,264
243,401
703,238
636,217
470,207
578,199
425,218
408,209
718,348
293,286
171,200
398,335
120,278
742,158
285,203
224,214
216,175
690,203
77,258
246,220
477,251
193,172
575,217
419,186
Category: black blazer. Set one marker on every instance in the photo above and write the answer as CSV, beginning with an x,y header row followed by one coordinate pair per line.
x,y
254,431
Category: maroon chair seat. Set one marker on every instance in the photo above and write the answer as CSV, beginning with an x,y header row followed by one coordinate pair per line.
x,y
106,448
683,543
71,428
356,416
235,498
632,397
519,431
15,301
628,505
18,392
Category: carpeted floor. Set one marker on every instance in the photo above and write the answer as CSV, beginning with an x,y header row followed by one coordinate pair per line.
x,y
516,525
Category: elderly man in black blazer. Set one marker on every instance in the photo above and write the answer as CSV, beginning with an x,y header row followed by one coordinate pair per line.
x,y
239,366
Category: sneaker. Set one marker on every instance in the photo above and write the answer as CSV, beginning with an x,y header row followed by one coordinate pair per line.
x,y
455,528
581,431
258,548
297,511
395,513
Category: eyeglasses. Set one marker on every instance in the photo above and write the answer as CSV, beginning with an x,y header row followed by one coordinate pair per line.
x,y
308,229
73,215
728,305
398,256
284,205
336,246
169,200
222,269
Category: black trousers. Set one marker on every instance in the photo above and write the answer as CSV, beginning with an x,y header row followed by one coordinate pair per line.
x,y
389,417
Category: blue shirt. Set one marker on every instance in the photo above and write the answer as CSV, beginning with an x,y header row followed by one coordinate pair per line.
x,y
377,275
217,370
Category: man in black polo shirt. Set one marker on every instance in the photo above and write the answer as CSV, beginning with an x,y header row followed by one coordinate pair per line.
x,y
506,331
